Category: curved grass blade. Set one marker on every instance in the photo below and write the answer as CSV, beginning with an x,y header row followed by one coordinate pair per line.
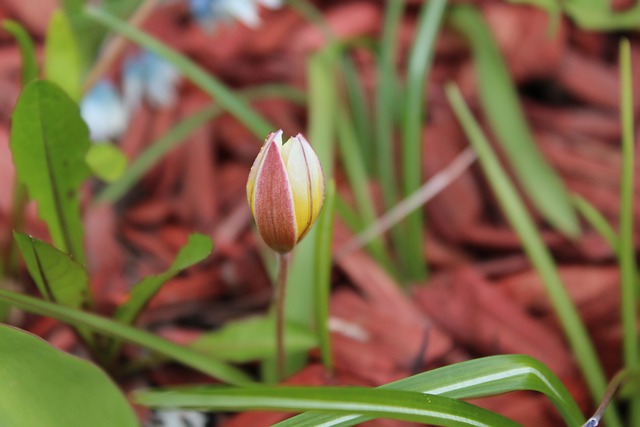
x,y
225,97
500,102
487,376
517,215
184,355
49,142
597,221
29,70
46,387
420,59
377,403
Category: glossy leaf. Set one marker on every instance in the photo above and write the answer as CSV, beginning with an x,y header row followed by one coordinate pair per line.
x,y
58,277
179,353
45,387
252,339
487,376
29,70
376,403
63,62
106,161
49,141
500,101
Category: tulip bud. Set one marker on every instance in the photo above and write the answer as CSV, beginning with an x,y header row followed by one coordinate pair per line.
x,y
285,190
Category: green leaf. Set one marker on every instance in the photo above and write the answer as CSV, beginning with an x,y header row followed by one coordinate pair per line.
x,y
516,213
179,353
63,62
323,263
49,141
197,248
58,277
377,403
487,376
500,101
106,161
252,339
45,387
420,60
27,51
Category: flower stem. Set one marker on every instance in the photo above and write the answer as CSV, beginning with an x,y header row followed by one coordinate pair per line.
x,y
280,291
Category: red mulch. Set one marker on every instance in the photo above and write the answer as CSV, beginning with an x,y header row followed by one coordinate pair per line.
x,y
483,297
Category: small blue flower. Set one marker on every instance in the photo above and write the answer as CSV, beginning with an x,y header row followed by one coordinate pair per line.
x,y
210,12
151,78
104,112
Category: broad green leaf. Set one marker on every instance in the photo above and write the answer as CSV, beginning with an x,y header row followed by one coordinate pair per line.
x,y
500,101
197,248
45,387
58,277
108,327
49,141
516,213
224,96
63,62
106,161
27,51
377,403
252,339
483,377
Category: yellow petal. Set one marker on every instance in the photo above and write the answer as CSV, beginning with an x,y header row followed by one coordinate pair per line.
x,y
306,180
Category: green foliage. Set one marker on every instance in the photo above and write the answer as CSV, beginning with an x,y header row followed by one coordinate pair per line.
x,y
500,102
377,403
63,62
482,377
106,161
111,328
59,278
517,215
49,142
45,387
27,51
252,339
351,406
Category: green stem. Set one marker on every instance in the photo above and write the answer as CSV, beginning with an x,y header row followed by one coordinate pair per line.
x,y
279,298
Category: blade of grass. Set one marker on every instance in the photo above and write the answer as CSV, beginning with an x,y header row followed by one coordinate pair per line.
x,y
420,60
142,338
323,282
354,168
487,376
499,99
178,134
378,403
226,98
597,221
520,220
385,115
628,268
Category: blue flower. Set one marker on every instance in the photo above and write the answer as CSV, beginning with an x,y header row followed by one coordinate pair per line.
x,y
104,112
210,12
150,78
